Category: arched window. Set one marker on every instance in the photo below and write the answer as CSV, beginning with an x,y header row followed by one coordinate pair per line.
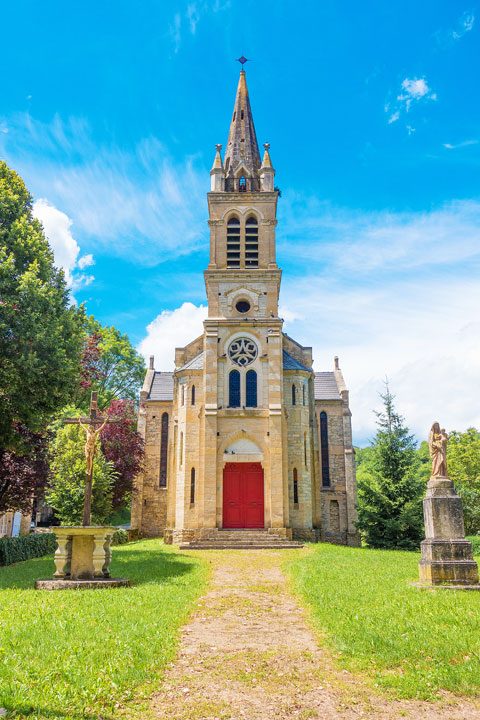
x,y
295,486
294,395
193,394
251,388
234,389
181,450
192,486
251,242
164,450
233,242
242,184
324,449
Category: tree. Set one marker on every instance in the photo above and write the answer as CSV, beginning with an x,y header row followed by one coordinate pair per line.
x,y
110,365
390,487
123,447
23,474
40,332
463,464
67,486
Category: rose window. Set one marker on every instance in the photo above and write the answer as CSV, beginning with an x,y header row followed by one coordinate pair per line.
x,y
242,351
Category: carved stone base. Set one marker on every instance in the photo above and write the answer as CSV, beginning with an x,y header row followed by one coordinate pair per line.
x,y
448,561
83,553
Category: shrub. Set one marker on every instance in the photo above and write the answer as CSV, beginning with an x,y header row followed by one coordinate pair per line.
x,y
16,549
475,540
119,537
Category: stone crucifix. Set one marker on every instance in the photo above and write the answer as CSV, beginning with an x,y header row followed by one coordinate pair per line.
x,y
92,426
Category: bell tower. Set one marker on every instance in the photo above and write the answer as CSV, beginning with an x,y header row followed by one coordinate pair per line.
x,y
242,279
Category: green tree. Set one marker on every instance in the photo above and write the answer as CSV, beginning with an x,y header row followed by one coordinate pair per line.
x,y
463,464
67,486
110,365
40,332
390,485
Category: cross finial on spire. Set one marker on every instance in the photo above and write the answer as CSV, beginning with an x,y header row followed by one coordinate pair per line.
x,y
242,60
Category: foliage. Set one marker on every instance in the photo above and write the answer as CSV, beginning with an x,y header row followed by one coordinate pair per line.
x,y
417,643
475,540
390,486
110,365
123,447
463,463
119,537
23,472
67,487
94,654
40,333
17,549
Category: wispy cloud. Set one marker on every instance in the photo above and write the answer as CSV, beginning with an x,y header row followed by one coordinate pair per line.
x,y
413,91
138,203
457,146
463,25
187,20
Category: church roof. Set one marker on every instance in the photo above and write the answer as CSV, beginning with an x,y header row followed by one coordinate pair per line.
x,y
325,386
289,363
162,386
195,364
242,145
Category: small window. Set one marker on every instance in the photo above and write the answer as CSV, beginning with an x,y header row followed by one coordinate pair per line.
x,y
305,449
233,242
295,486
243,306
304,394
251,242
294,395
193,394
234,389
324,449
164,451
182,394
242,184
251,382
241,115
192,486
181,449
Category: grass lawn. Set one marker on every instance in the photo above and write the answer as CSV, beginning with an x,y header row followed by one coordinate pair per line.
x,y
414,642
84,654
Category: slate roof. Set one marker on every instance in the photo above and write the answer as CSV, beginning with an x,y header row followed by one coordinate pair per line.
x,y
326,386
162,386
289,363
196,363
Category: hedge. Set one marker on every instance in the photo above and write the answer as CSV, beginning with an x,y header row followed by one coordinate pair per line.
x,y
16,549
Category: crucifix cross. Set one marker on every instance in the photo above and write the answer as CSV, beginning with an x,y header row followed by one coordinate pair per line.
x,y
92,426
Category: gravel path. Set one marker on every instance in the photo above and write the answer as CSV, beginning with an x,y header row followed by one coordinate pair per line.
x,y
249,652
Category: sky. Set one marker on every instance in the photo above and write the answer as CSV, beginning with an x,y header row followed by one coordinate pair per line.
x,y
110,111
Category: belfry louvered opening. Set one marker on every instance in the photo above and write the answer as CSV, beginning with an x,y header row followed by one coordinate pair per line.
x,y
233,243
251,242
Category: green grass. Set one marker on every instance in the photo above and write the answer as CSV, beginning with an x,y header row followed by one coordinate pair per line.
x,y
410,641
88,653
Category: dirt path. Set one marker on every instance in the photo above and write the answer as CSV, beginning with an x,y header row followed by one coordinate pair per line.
x,y
249,653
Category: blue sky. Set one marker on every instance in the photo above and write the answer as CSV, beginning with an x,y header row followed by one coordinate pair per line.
x,y
111,110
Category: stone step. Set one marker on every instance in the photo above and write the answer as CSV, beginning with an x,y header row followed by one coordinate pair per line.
x,y
241,546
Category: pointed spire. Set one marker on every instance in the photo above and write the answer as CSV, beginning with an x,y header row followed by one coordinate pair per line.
x,y
217,173
267,161
267,173
242,145
218,163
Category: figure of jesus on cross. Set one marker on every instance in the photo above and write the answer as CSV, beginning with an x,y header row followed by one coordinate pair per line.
x,y
93,426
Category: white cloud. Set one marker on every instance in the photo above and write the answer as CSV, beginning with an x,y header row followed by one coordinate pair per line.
x,y
457,146
190,19
171,329
465,24
139,203
66,250
413,91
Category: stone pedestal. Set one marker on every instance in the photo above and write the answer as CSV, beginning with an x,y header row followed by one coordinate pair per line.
x,y
446,554
83,556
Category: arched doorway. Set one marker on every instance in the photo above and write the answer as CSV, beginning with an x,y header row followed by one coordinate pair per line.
x,y
243,495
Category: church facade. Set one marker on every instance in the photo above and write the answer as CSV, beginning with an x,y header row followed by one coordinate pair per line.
x,y
244,433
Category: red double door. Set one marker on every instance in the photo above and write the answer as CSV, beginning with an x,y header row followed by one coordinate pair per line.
x,y
243,504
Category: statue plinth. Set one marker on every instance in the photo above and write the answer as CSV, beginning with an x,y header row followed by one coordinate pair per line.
x,y
446,554
82,559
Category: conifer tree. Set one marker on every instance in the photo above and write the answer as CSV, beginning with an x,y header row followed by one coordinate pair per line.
x,y
390,487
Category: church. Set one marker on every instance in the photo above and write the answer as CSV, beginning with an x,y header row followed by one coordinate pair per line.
x,y
244,435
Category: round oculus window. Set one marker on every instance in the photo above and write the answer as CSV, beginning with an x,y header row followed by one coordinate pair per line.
x,y
242,351
243,306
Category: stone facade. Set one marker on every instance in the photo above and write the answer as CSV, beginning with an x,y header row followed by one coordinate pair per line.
x,y
244,394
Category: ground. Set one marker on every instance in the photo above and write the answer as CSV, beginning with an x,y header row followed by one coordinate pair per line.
x,y
324,632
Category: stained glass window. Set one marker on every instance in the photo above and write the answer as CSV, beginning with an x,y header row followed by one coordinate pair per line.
x,y
164,450
251,388
234,389
324,449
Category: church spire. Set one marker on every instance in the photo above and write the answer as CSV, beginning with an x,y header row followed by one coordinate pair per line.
x,y
242,158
